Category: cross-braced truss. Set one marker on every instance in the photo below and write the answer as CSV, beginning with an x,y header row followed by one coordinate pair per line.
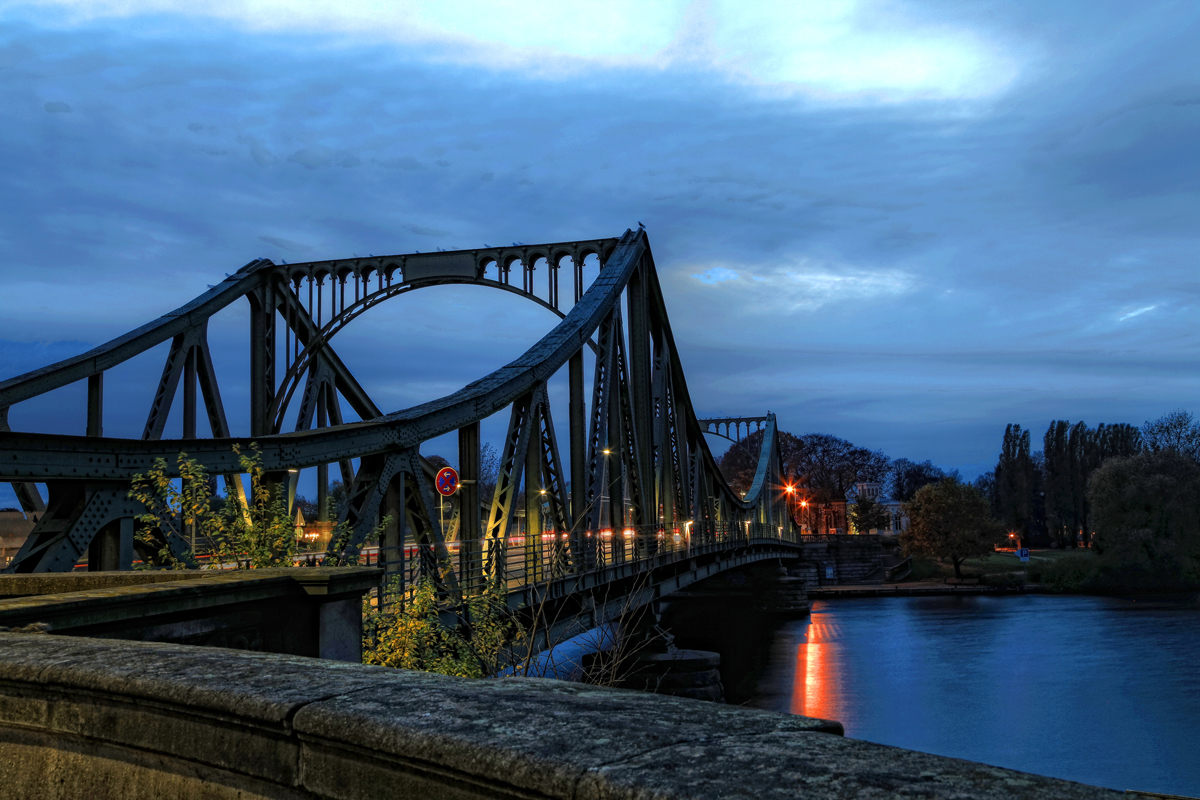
x,y
639,485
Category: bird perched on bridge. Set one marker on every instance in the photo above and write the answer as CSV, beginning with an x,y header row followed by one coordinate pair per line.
x,y
641,226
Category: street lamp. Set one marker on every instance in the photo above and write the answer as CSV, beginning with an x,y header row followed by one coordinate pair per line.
x,y
791,491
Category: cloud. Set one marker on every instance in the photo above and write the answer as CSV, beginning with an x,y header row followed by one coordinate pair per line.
x,y
716,275
401,162
58,108
807,285
315,157
287,244
13,54
259,152
906,226
421,230
312,157
1136,313
844,51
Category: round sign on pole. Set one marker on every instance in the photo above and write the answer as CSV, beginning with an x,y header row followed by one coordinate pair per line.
x,y
446,481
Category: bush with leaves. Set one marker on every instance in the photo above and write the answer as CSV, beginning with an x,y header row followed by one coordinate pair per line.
x,y
260,533
412,635
1146,511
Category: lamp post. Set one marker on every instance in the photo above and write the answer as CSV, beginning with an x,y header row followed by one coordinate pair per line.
x,y
791,493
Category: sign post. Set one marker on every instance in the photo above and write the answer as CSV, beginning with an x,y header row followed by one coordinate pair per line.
x,y
1023,553
447,484
446,481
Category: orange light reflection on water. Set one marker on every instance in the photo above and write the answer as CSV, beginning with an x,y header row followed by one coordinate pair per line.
x,y
814,689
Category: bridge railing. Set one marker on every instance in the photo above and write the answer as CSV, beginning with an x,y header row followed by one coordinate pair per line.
x,y
524,560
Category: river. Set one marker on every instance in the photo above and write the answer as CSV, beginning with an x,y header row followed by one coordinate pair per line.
x,y
1096,690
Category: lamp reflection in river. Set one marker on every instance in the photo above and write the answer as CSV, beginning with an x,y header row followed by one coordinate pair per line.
x,y
814,688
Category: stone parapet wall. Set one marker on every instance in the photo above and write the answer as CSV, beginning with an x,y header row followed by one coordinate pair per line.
x,y
107,719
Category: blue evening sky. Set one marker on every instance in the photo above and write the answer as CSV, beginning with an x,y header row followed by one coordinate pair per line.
x,y
903,223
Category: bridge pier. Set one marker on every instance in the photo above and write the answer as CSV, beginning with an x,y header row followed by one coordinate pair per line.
x,y
732,615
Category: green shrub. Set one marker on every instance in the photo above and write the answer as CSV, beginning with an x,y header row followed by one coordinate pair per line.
x,y
1005,580
412,635
1065,574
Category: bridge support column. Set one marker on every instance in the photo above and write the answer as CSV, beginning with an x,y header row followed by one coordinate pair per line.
x,y
95,405
533,503
262,358
577,412
322,469
470,567
112,547
681,673
391,539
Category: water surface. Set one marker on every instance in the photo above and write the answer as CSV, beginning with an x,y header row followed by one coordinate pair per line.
x,y
1096,690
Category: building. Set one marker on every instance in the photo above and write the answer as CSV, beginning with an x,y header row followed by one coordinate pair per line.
x,y
897,520
14,529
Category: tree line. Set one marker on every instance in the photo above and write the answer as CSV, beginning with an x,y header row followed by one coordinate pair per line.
x,y
1043,495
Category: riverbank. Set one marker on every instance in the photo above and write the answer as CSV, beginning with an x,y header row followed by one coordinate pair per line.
x,y
1081,571
918,588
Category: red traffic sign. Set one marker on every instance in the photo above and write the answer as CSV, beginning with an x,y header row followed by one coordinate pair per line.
x,y
446,481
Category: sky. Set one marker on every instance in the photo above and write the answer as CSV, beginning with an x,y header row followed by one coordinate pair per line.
x,y
903,223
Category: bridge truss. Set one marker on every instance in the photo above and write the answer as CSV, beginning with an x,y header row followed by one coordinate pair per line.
x,y
639,487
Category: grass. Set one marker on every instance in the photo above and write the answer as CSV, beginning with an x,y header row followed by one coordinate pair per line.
x,y
1064,568
1063,571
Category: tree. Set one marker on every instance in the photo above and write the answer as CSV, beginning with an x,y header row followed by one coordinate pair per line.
x,y
830,466
1016,482
949,520
1072,454
739,463
489,472
985,484
908,476
867,513
307,507
1146,510
823,467
1176,431
1059,498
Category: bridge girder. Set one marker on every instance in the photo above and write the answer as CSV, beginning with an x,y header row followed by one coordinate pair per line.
x,y
639,467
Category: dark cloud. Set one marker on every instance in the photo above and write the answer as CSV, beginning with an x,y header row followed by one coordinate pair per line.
x,y
421,230
400,162
287,244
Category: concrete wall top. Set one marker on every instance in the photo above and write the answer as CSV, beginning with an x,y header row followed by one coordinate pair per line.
x,y
74,601
100,718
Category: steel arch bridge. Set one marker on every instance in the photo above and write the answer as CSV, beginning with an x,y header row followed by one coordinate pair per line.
x,y
644,492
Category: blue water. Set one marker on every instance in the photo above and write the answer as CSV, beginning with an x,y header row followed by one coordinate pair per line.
x,y
1095,690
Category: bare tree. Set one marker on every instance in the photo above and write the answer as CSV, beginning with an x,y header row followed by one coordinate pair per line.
x,y
1176,431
